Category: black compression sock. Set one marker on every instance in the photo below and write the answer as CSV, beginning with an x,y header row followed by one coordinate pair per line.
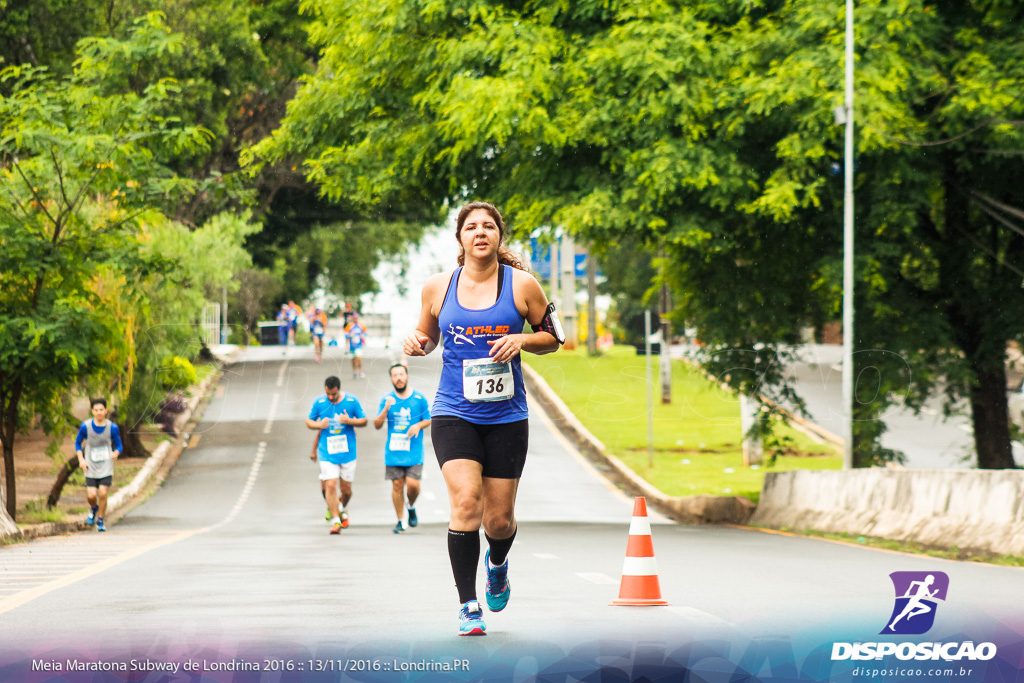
x,y
464,552
500,547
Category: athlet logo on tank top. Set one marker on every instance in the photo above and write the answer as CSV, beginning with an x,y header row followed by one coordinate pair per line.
x,y
461,335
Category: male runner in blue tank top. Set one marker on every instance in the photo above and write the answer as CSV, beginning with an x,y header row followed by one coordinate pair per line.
x,y
479,428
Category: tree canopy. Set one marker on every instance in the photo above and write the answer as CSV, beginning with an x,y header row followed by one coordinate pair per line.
x,y
705,130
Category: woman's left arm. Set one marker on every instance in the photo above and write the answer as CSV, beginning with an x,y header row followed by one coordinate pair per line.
x,y
536,307
528,295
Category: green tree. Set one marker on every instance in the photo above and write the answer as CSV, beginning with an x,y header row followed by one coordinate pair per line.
x,y
165,308
79,179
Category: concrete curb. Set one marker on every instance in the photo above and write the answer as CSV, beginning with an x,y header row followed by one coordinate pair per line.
x,y
691,509
969,509
127,496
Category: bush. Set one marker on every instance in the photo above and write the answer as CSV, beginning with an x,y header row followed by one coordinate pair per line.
x,y
177,373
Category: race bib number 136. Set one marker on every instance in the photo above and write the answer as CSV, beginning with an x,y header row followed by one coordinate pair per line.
x,y
486,380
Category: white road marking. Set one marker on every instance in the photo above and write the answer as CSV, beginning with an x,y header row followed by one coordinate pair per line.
x,y
254,472
280,373
695,615
597,577
545,556
272,413
115,542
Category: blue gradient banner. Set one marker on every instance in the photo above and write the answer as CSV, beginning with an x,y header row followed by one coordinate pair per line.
x,y
726,655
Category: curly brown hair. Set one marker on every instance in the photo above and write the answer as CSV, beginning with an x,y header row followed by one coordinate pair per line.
x,y
505,255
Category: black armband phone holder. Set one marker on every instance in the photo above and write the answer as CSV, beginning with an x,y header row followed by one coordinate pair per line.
x,y
551,324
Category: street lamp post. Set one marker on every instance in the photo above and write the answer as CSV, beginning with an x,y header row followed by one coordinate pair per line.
x,y
848,386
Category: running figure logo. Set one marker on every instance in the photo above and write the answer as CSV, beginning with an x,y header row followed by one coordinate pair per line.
x,y
917,594
459,337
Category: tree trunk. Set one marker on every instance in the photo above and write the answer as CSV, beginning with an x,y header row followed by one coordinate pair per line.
x,y
62,478
10,428
7,525
989,414
10,488
132,443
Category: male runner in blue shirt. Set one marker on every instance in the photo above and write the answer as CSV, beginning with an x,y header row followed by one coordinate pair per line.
x,y
335,414
408,414
97,446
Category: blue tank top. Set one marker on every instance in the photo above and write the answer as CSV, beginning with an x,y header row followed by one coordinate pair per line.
x,y
464,336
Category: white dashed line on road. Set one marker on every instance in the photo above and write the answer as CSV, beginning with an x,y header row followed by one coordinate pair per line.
x,y
272,413
597,577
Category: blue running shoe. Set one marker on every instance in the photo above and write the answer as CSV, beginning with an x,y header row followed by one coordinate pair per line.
x,y
91,519
413,521
498,589
471,620
399,529
100,526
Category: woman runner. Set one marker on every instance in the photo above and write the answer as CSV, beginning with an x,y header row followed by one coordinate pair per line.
x,y
480,428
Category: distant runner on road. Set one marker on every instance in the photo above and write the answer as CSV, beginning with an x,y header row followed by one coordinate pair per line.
x,y
317,329
407,414
480,426
97,446
356,334
336,414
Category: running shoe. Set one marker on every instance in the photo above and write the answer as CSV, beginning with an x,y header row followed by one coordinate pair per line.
x,y
413,521
336,528
498,589
327,516
344,519
471,620
399,529
91,519
100,526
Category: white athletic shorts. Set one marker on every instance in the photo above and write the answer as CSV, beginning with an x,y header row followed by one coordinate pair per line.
x,y
358,353
330,470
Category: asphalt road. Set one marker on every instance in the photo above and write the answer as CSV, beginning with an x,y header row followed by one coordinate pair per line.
x,y
928,439
232,554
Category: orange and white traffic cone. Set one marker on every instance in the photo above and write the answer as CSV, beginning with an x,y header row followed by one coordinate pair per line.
x,y
639,585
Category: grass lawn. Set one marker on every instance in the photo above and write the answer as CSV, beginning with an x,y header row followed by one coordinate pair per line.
x,y
203,370
697,438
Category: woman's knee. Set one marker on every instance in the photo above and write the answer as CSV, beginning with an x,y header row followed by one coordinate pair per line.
x,y
499,523
467,507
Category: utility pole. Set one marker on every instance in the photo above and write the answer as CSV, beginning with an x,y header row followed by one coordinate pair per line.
x,y
224,317
568,308
650,388
753,448
848,250
665,365
591,303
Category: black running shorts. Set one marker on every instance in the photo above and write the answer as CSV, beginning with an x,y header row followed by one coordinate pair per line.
x,y
500,448
94,483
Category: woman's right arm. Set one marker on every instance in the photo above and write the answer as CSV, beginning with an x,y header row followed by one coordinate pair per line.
x,y
425,337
